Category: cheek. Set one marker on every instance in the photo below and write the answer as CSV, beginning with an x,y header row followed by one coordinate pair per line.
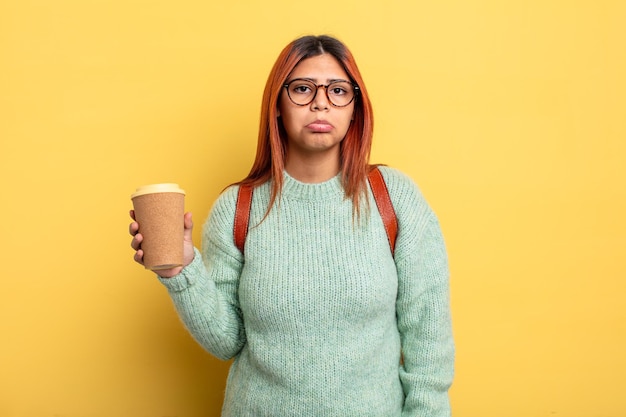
x,y
284,110
288,122
346,121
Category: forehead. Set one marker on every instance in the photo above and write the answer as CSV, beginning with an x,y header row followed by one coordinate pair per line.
x,y
321,68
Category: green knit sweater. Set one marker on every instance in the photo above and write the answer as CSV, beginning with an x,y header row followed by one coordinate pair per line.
x,y
317,313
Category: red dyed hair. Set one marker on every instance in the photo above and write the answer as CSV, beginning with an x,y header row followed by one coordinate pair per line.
x,y
272,141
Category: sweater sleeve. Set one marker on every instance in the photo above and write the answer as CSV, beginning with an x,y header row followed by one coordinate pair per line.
x,y
422,306
205,292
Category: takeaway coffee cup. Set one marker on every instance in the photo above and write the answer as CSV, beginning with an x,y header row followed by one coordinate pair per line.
x,y
159,210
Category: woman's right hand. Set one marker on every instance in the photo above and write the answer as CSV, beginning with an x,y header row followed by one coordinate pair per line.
x,y
188,248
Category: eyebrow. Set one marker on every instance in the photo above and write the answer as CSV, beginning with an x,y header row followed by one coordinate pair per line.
x,y
314,80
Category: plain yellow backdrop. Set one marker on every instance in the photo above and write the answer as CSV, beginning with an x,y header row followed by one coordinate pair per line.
x,y
509,115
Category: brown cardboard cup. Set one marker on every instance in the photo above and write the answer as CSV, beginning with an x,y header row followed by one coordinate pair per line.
x,y
160,210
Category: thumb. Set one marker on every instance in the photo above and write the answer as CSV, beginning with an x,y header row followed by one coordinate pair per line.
x,y
188,221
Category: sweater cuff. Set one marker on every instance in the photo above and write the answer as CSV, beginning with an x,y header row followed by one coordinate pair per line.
x,y
187,277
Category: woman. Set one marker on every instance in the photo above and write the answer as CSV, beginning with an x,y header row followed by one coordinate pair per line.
x,y
319,315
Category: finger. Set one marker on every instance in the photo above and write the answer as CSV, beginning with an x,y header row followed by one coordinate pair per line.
x,y
136,242
188,226
133,228
188,221
139,257
132,214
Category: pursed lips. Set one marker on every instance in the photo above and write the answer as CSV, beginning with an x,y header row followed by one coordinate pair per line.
x,y
320,126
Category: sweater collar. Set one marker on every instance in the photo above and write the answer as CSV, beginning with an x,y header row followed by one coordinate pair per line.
x,y
294,189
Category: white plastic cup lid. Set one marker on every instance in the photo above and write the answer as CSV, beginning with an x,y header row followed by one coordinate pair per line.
x,y
157,188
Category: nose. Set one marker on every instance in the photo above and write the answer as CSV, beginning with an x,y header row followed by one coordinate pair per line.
x,y
320,101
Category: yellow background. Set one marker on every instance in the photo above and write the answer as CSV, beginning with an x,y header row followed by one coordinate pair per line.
x,y
509,115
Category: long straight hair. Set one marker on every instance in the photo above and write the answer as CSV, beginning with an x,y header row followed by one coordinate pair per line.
x,y
355,148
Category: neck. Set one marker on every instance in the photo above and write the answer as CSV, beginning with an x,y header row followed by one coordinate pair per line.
x,y
312,169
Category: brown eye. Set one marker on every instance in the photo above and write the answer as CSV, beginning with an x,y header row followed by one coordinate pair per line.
x,y
302,89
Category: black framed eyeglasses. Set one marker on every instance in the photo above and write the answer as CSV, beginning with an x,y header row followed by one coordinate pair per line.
x,y
302,92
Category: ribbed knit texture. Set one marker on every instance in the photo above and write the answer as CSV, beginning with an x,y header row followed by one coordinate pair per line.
x,y
318,313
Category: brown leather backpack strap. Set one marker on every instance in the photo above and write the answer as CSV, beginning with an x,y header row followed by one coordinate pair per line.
x,y
385,206
242,215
